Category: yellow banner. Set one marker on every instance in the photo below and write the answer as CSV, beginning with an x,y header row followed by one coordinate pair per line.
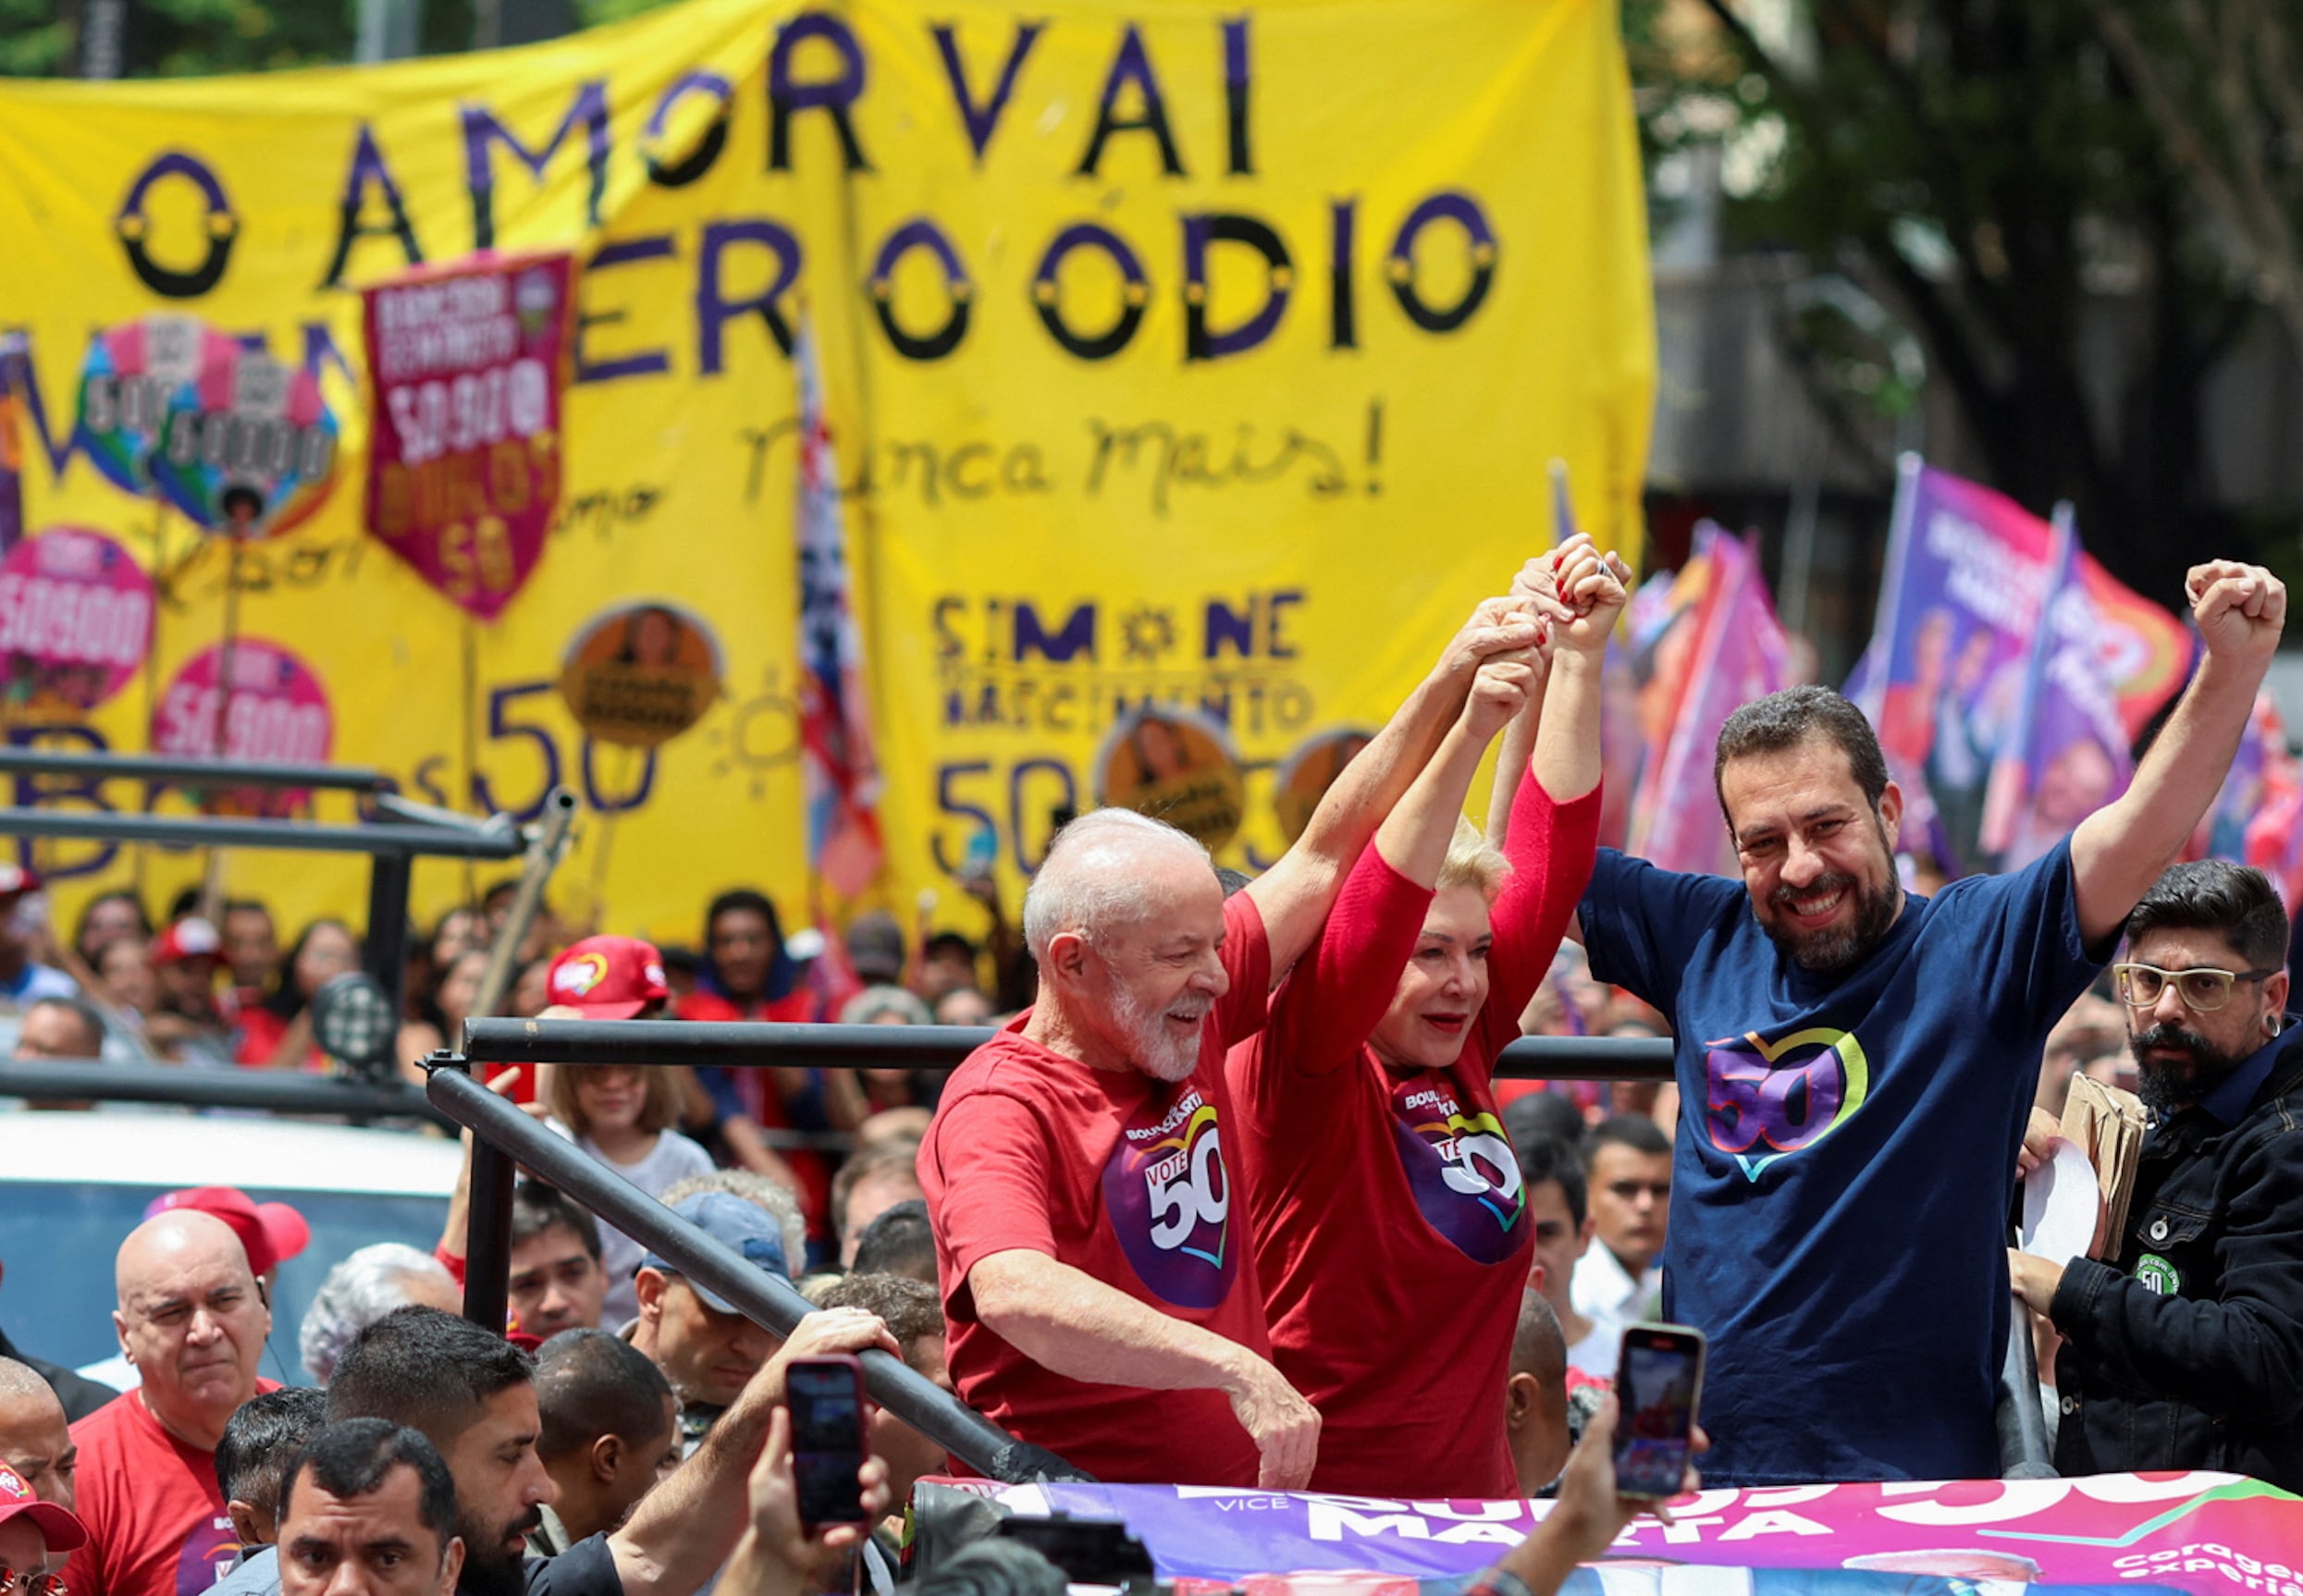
x,y
1198,356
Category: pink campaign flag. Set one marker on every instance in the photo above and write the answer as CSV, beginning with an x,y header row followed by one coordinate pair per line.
x,y
838,762
1740,654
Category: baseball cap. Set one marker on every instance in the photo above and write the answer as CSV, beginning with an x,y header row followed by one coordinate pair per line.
x,y
59,1527
729,1221
15,878
190,938
607,978
875,947
271,1233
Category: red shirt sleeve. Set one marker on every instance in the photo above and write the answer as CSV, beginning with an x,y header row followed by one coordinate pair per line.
x,y
1324,1011
996,1154
1552,847
1247,961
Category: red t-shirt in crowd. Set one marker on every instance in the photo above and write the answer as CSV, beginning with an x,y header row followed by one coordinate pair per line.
x,y
157,1524
1390,1229
763,1104
1123,1177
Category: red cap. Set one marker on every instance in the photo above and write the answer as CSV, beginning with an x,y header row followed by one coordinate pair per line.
x,y
15,878
190,938
607,978
271,1233
59,1528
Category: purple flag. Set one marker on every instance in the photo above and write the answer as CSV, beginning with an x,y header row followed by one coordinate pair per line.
x,y
2064,754
1741,652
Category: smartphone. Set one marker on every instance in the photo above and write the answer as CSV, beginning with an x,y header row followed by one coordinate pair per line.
x,y
1658,1384
826,1398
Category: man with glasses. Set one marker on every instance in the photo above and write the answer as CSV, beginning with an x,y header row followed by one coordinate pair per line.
x,y
1857,1064
2182,1347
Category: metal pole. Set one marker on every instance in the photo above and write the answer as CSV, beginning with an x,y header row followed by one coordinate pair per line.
x,y
190,772
766,1299
487,1230
386,942
103,1081
546,847
936,1047
415,841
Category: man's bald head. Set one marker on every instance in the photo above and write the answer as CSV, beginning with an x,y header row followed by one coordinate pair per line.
x,y
193,1320
1535,1396
1107,871
169,1241
35,1440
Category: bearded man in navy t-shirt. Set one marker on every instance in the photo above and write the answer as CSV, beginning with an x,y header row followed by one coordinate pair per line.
x,y
1856,1065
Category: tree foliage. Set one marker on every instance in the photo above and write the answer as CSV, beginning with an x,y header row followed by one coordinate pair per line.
x,y
1984,167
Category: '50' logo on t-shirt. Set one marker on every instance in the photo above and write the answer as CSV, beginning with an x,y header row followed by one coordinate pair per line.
x,y
1169,1197
1768,1100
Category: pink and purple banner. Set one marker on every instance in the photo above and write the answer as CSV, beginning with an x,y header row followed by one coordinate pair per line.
x,y
1738,652
467,366
1955,686
2066,754
2212,1534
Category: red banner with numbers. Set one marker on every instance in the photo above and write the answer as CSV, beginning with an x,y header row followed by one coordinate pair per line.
x,y
467,366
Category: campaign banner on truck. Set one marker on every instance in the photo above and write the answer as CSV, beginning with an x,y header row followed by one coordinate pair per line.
x,y
2204,1532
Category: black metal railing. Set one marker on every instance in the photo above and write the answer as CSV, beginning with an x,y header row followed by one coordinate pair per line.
x,y
935,1048
760,1296
392,847
273,1091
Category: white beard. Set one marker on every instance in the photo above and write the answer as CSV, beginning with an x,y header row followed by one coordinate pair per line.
x,y
1158,1054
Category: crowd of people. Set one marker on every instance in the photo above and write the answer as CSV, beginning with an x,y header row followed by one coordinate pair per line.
x,y
1233,1196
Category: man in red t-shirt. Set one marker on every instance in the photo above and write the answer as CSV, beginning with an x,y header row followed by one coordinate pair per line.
x,y
1099,1286
193,1320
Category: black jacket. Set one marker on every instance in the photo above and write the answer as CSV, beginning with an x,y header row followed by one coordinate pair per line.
x,y
2188,1352
80,1395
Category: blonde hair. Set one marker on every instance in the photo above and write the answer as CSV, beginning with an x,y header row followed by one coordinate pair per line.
x,y
659,1105
1472,860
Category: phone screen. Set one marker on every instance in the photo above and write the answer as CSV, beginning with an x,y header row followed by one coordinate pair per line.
x,y
827,1441
1657,1381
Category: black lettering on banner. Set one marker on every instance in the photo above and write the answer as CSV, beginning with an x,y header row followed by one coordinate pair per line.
x,y
714,310
482,130
643,362
787,95
1202,232
920,234
1343,302
368,171
1237,82
1465,213
983,122
1132,65
134,228
1047,291
699,161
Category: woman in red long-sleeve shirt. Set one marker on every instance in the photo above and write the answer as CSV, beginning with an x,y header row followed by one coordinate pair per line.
x,y
1383,1197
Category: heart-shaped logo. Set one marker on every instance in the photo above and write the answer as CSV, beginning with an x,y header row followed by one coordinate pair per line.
x,y
1784,1095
